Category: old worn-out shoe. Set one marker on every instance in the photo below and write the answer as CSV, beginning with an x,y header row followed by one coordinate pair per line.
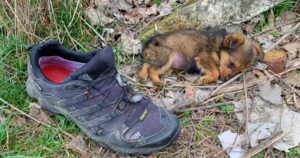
x,y
86,88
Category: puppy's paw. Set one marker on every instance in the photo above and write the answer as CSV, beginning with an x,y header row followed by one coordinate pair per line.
x,y
203,80
143,77
157,83
225,73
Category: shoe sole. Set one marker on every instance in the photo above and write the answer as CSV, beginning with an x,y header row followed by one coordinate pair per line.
x,y
56,110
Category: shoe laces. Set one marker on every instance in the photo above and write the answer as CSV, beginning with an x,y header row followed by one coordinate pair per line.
x,y
128,95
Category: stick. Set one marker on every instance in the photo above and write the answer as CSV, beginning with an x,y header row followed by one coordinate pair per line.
x,y
204,107
265,144
264,31
247,112
284,36
25,114
226,83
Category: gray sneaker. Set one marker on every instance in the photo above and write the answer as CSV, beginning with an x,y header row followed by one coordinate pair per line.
x,y
86,88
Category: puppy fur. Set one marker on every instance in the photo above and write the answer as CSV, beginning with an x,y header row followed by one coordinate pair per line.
x,y
215,52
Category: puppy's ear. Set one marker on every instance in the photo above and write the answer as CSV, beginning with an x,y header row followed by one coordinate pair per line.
x,y
233,40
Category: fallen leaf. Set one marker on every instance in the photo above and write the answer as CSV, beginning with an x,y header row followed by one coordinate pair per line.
x,y
39,114
164,9
270,93
293,49
79,146
202,95
297,104
146,11
130,45
253,22
171,94
285,119
293,78
189,90
169,103
123,5
295,63
285,18
265,40
97,17
19,120
265,119
132,16
260,66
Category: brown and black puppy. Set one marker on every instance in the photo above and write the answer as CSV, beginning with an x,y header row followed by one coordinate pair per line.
x,y
215,52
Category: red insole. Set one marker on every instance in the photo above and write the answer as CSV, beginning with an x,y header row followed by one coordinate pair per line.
x,y
56,73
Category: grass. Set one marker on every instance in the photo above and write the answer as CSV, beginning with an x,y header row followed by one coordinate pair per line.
x,y
19,30
280,8
29,22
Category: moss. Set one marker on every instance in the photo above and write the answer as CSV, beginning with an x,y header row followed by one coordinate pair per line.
x,y
170,23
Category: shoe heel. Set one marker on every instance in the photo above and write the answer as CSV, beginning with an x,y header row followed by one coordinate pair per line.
x,y
48,107
34,93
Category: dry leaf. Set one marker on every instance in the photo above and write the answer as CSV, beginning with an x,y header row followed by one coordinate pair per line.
x,y
293,78
18,121
171,94
270,93
130,45
202,95
189,90
39,114
132,16
295,63
164,9
123,5
265,40
266,119
253,22
260,74
79,146
97,17
293,49
297,104
285,18
145,11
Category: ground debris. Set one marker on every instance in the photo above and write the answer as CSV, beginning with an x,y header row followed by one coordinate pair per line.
x,y
78,145
130,45
231,142
270,93
38,113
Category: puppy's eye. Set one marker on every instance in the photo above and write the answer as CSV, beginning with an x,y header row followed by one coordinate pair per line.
x,y
231,65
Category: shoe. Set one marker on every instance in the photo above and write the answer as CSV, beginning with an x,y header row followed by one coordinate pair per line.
x,y
87,89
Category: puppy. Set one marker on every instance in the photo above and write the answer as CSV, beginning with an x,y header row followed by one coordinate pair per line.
x,y
215,52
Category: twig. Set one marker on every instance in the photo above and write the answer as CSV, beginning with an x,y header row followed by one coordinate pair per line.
x,y
284,36
247,112
204,107
289,70
265,144
226,83
267,30
25,114
95,31
283,81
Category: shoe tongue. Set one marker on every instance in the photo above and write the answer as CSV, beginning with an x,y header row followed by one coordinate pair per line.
x,y
102,63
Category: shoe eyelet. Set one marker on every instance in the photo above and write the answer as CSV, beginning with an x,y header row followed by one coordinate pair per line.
x,y
99,132
72,108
